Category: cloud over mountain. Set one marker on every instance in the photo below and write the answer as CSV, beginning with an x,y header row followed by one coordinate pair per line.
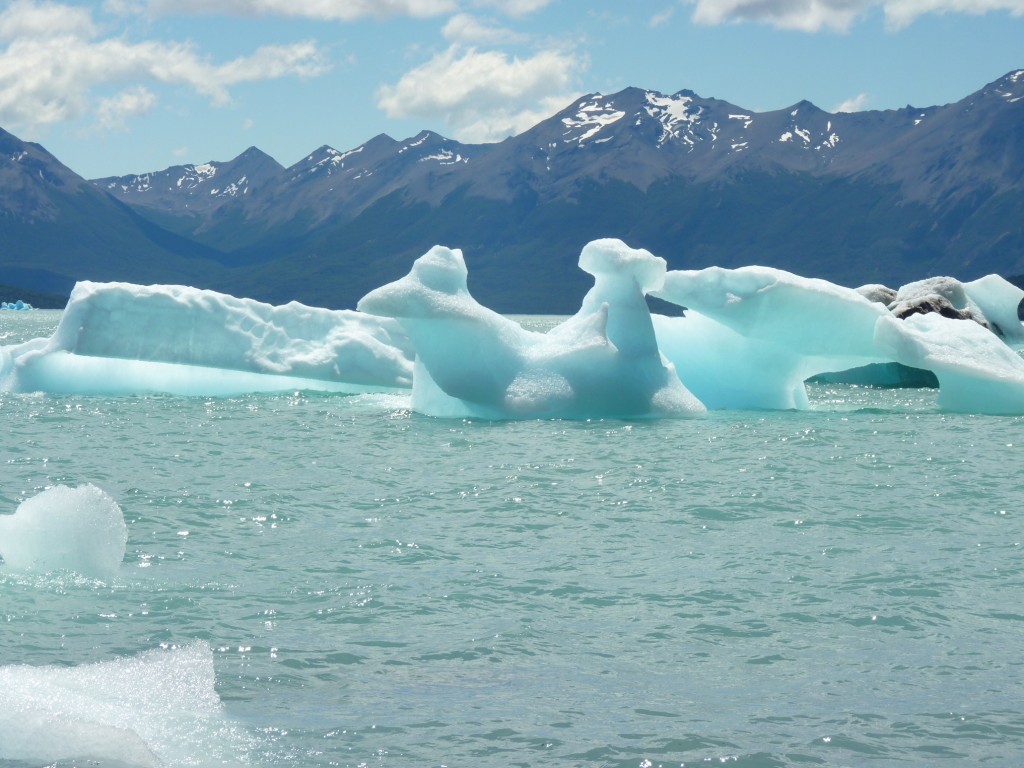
x,y
484,95
58,64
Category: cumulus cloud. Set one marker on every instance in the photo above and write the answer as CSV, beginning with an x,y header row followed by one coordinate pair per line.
x,y
837,15
333,10
468,29
113,111
900,13
25,18
513,7
483,95
857,104
51,75
662,17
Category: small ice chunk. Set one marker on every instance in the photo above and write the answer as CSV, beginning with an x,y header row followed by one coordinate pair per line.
x,y
157,709
77,529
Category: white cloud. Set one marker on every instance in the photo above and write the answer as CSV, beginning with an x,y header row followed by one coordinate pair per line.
x,y
498,124
900,13
857,104
25,18
49,76
837,15
804,15
483,93
332,10
112,112
468,29
662,17
513,7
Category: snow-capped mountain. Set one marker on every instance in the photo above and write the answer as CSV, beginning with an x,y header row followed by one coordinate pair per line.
x,y
56,228
879,196
195,189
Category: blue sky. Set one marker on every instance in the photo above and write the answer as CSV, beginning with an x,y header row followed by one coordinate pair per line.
x,y
129,86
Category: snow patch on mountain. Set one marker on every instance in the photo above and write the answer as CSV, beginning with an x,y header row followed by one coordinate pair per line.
x,y
591,116
747,120
674,114
445,157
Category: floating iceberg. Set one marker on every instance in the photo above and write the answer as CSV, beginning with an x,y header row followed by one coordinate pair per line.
x,y
752,336
977,372
157,709
470,361
749,338
18,305
118,338
75,529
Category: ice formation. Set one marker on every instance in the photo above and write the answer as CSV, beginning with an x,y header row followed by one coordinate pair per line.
x,y
977,372
18,305
76,529
749,338
471,361
752,336
157,709
118,338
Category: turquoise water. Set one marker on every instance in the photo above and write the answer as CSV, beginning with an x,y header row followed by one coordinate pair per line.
x,y
838,587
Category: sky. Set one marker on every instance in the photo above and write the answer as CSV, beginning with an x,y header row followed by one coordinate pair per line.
x,y
118,87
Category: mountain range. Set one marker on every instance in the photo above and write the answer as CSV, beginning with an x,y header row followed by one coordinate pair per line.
x,y
864,197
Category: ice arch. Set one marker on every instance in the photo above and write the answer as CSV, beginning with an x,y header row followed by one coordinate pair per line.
x,y
752,336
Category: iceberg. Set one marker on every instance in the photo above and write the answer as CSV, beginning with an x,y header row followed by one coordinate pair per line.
x,y
472,362
76,529
119,338
751,337
748,338
977,372
19,305
157,709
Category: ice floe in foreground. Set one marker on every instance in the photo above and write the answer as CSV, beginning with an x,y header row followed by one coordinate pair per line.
x,y
156,709
749,338
74,529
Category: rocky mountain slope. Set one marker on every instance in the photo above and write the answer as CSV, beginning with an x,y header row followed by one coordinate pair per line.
x,y
882,196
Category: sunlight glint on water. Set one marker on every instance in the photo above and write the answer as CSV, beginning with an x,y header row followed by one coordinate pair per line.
x,y
839,586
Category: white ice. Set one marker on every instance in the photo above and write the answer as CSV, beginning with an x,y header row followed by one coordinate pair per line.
x,y
977,372
750,337
471,361
75,529
160,708
118,338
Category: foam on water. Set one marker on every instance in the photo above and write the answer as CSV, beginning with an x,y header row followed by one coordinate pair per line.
x,y
76,529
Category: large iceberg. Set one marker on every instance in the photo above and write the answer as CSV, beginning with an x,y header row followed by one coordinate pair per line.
x,y
118,338
977,372
471,361
749,338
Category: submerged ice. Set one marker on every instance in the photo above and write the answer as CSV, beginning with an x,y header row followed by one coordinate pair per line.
x,y
748,338
75,529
